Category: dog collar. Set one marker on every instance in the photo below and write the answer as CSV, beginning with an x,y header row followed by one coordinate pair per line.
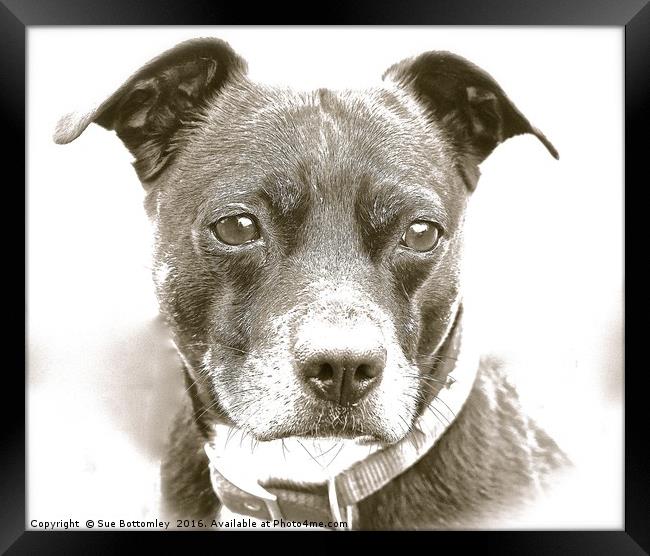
x,y
335,502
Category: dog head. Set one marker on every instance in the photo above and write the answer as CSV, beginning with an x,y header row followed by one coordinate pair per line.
x,y
308,245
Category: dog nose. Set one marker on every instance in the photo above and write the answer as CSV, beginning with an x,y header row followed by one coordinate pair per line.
x,y
342,371
343,376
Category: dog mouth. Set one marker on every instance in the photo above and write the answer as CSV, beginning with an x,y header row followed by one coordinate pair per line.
x,y
357,437
290,461
359,434
330,432
353,424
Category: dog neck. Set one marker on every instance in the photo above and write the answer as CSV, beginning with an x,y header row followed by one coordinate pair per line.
x,y
294,480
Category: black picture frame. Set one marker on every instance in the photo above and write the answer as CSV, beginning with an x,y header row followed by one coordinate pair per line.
x,y
17,15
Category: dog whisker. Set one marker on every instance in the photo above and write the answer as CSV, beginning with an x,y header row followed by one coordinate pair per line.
x,y
432,380
408,428
438,399
234,407
309,453
439,414
322,453
426,378
335,455
231,432
428,407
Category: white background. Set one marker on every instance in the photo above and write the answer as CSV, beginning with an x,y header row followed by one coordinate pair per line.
x,y
544,254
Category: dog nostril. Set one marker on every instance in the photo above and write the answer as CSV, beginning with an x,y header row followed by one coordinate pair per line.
x,y
325,372
322,372
366,372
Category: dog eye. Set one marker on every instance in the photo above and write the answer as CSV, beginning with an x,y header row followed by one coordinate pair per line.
x,y
236,230
421,236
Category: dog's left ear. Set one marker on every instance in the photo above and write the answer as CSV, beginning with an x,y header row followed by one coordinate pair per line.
x,y
468,104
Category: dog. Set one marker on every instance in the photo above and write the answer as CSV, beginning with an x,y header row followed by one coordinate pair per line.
x,y
307,261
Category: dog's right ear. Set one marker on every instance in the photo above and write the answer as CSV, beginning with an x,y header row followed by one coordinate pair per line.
x,y
165,95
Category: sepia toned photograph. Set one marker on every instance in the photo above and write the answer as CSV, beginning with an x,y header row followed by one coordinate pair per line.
x,y
324,278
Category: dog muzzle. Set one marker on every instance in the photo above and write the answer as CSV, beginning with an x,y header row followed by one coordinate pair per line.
x,y
321,487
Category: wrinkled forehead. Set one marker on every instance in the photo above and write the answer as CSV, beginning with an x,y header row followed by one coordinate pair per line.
x,y
324,142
